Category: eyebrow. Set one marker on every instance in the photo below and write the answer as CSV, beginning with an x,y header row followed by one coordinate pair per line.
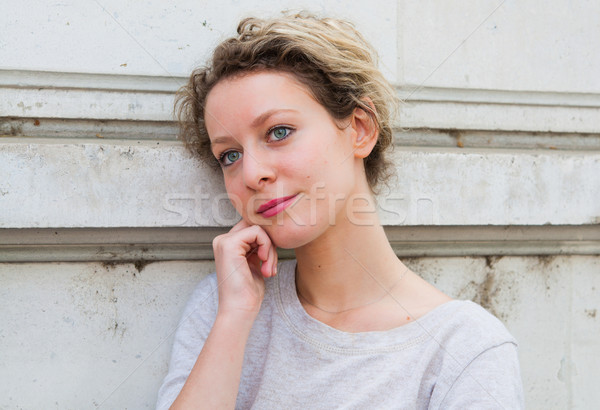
x,y
254,124
265,116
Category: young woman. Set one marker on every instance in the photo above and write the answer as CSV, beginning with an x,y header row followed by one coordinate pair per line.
x,y
298,117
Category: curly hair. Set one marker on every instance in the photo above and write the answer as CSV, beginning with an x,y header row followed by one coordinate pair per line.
x,y
329,56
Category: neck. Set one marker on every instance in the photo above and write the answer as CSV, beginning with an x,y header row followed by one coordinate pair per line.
x,y
350,265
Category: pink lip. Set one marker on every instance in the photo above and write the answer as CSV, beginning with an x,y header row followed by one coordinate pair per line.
x,y
274,206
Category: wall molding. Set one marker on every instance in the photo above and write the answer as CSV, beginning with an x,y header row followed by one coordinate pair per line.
x,y
406,92
88,96
144,245
89,81
118,183
409,92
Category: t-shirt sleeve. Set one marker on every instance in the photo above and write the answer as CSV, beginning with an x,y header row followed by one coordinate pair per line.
x,y
492,380
193,329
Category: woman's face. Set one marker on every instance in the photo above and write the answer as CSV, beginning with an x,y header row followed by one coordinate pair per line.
x,y
286,164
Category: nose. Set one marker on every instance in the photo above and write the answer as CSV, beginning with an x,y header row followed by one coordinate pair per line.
x,y
257,170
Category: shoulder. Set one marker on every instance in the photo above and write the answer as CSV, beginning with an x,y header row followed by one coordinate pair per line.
x,y
193,329
475,352
200,310
205,291
460,331
466,326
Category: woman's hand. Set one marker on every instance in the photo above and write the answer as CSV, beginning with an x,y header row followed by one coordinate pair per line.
x,y
244,257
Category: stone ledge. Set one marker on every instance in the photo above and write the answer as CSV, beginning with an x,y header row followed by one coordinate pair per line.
x,y
145,245
54,183
110,130
94,97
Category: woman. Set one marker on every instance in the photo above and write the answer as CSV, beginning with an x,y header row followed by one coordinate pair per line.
x,y
298,118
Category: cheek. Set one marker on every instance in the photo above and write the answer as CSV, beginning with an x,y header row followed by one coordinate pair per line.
x,y
234,194
316,163
307,171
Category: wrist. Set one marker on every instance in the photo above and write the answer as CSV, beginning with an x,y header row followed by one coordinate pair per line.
x,y
240,320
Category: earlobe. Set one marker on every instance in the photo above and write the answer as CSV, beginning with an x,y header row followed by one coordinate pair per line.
x,y
365,128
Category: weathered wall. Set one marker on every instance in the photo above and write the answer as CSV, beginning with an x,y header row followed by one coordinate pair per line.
x,y
106,223
85,335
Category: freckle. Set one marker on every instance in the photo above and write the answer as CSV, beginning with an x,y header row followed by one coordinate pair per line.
x,y
407,317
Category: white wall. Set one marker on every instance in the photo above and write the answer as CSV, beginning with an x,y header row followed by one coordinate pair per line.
x,y
84,335
106,222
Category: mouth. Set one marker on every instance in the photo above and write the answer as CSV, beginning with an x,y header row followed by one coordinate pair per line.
x,y
275,206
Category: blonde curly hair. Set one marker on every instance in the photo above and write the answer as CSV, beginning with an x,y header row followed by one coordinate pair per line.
x,y
329,56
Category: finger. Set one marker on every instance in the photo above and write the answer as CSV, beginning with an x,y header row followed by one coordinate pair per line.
x,y
252,239
242,224
254,263
275,260
267,267
263,241
272,262
265,250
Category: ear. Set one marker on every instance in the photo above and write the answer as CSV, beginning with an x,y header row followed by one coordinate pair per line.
x,y
365,130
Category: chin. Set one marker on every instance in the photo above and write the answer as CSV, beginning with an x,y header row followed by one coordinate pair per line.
x,y
285,237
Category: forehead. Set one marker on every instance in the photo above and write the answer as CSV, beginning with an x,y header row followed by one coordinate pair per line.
x,y
264,77
246,96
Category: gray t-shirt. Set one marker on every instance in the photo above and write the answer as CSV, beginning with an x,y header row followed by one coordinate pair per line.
x,y
457,356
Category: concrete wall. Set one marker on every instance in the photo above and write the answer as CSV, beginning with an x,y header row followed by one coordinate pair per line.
x,y
106,223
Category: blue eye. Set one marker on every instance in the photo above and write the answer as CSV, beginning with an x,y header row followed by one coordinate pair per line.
x,y
280,133
229,157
